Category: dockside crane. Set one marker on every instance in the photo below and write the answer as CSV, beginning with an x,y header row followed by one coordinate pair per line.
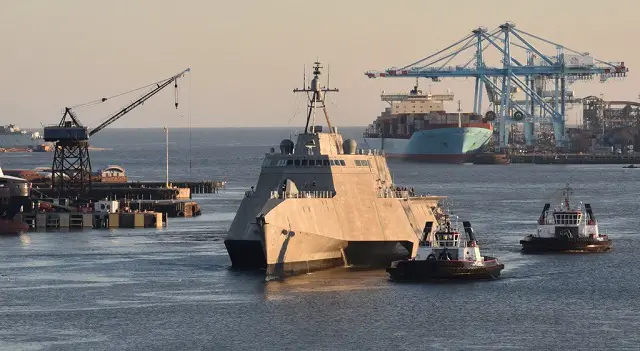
x,y
523,68
71,169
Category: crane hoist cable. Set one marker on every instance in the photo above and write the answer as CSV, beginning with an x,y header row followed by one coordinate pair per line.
x,y
104,99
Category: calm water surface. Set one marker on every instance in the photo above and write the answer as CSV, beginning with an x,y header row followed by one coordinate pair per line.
x,y
171,289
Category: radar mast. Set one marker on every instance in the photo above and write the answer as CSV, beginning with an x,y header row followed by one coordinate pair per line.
x,y
316,96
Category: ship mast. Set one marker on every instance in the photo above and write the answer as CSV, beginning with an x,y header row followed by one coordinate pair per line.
x,y
316,96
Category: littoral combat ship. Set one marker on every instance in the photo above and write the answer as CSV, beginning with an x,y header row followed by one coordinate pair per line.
x,y
321,202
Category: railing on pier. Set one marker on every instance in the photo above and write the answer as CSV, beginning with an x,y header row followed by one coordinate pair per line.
x,y
321,194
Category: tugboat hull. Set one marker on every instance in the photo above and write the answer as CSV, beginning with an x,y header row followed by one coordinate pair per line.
x,y
430,270
541,245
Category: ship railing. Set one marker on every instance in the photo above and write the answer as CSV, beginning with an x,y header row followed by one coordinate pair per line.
x,y
318,194
395,194
452,243
369,152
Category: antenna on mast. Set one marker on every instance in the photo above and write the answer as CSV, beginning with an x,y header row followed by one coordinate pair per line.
x,y
317,99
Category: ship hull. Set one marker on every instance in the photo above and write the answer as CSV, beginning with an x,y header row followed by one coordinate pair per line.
x,y
428,270
11,227
285,231
563,244
439,145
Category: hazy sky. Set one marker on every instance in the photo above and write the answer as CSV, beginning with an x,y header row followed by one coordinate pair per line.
x,y
247,56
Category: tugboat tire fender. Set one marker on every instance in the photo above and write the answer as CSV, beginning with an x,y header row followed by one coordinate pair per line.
x,y
445,256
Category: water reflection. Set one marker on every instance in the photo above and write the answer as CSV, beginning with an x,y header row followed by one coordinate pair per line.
x,y
25,239
332,280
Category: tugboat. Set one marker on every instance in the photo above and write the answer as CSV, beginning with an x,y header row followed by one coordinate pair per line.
x,y
446,255
567,230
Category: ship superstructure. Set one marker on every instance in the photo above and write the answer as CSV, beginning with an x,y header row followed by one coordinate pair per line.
x,y
11,136
415,126
322,202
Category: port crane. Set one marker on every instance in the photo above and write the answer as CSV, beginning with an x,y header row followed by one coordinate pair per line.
x,y
541,77
71,169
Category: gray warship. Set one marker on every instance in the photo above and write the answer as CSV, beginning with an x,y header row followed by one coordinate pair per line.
x,y
322,202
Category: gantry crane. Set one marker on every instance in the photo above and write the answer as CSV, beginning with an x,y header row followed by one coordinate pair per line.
x,y
524,68
71,170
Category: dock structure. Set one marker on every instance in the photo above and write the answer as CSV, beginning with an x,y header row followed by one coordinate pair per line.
x,y
143,190
567,159
173,208
195,187
79,220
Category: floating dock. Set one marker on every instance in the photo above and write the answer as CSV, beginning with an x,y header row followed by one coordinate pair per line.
x,y
199,187
142,190
173,208
79,220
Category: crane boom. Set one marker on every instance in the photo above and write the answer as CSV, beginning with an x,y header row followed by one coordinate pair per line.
x,y
138,102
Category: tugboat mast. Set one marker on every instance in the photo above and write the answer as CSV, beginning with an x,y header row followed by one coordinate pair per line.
x,y
316,95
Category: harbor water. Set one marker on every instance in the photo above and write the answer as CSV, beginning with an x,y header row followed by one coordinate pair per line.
x,y
172,289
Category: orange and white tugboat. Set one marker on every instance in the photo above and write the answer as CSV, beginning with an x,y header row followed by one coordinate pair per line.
x,y
446,255
567,229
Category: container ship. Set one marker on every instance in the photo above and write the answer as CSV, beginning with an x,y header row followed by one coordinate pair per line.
x,y
416,127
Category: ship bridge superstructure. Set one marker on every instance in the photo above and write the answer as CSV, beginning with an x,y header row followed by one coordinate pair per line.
x,y
505,61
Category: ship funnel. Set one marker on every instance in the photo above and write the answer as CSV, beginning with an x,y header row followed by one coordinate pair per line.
x,y
586,206
428,226
469,230
543,215
349,146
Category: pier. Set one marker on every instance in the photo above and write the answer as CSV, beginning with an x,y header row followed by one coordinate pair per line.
x,y
196,187
141,190
96,220
560,159
567,159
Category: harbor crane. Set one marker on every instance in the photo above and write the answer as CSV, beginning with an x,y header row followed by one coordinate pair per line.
x,y
541,77
71,170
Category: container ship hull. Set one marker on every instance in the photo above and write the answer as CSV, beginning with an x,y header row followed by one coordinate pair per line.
x,y
440,145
